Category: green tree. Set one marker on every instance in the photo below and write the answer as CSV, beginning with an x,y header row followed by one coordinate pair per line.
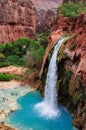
x,y
71,9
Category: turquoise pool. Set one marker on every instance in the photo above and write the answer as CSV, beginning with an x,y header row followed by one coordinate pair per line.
x,y
27,118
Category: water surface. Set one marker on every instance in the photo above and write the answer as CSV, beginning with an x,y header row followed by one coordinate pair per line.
x,y
27,118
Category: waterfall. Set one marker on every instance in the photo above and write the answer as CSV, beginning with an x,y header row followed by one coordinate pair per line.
x,y
49,106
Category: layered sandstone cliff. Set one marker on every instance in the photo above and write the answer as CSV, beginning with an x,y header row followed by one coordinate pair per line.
x,y
17,19
22,18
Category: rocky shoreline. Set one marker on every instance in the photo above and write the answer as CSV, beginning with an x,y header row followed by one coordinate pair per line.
x,y
9,93
5,127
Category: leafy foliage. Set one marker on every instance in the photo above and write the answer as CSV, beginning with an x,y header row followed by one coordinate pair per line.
x,y
2,57
15,60
4,64
71,9
13,53
42,38
17,47
8,77
34,56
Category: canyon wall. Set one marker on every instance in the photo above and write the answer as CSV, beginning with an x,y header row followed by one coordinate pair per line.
x,y
23,18
46,12
72,65
17,19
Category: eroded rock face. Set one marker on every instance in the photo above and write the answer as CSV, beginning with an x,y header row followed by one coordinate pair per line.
x,y
62,24
76,51
78,29
80,49
73,67
52,39
46,12
17,19
22,18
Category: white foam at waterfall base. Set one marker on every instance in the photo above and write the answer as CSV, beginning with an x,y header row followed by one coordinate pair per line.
x,y
46,111
49,106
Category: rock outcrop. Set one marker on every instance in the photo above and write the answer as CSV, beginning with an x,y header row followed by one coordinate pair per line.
x,y
13,70
17,19
80,46
62,24
46,12
69,26
72,65
52,39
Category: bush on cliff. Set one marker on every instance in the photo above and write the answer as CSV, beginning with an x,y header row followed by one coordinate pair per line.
x,y
71,9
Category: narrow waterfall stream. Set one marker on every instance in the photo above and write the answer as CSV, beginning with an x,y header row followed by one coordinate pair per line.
x,y
49,106
51,98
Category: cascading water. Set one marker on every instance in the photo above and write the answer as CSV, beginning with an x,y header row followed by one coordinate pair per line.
x,y
49,106
39,114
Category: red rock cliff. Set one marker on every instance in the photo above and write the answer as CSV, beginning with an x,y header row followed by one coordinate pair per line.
x,y
22,18
46,12
75,50
17,19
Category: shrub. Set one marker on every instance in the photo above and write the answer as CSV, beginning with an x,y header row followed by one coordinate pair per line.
x,y
2,57
42,38
8,77
13,53
71,9
7,49
18,47
21,45
15,60
5,77
34,56
4,63
1,48
43,41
